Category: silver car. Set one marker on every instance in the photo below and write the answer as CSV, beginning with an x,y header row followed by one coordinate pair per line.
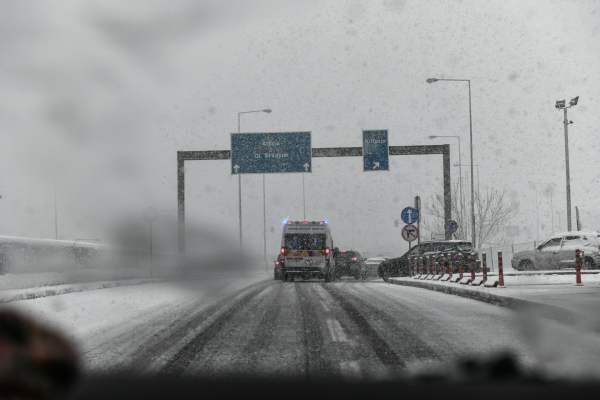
x,y
559,252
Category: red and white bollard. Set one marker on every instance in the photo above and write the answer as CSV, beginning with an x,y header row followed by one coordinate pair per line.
x,y
442,266
449,267
460,266
500,271
578,269
473,264
421,267
484,268
416,262
428,267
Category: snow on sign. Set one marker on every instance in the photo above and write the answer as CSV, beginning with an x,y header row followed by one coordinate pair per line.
x,y
263,153
409,215
451,226
410,233
375,150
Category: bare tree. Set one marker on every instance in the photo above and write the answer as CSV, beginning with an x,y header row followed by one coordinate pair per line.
x,y
492,214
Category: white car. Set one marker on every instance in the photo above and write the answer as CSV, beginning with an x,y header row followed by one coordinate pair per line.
x,y
559,252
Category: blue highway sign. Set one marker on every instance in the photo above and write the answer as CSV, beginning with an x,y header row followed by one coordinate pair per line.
x,y
409,215
375,150
451,226
263,153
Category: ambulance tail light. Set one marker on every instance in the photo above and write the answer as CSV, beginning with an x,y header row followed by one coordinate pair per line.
x,y
353,258
327,254
283,250
327,250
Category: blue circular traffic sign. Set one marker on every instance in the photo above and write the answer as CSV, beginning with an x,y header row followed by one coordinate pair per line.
x,y
409,215
451,226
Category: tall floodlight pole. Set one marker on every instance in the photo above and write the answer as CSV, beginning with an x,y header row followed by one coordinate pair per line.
x,y
462,200
240,193
561,104
432,80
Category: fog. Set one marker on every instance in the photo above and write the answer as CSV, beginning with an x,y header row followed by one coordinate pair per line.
x,y
99,96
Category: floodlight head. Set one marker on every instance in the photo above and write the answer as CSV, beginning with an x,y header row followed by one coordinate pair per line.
x,y
267,110
431,80
432,137
560,104
574,101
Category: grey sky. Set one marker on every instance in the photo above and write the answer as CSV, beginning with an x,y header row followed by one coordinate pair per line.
x,y
105,93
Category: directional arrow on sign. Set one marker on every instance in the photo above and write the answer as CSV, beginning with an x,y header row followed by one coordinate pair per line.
x,y
306,167
376,165
236,167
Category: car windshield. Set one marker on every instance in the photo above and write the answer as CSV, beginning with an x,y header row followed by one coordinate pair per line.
x,y
158,158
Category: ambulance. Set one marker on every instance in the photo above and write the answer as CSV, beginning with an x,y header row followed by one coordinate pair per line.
x,y
307,247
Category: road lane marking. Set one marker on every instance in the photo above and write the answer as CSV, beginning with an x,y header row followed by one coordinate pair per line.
x,y
336,331
350,370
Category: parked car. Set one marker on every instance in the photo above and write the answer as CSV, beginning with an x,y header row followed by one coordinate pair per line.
x,y
559,252
400,266
373,265
351,263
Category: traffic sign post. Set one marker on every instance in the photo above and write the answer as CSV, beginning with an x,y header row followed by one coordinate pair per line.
x,y
410,233
375,150
264,153
150,215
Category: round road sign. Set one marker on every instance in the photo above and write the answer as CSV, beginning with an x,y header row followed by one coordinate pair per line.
x,y
451,226
409,215
150,214
410,233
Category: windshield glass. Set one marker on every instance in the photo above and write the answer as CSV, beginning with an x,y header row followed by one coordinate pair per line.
x,y
301,241
157,158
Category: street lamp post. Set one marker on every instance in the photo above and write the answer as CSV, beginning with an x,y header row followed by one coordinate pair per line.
x,y
551,204
462,200
477,167
432,80
561,104
240,193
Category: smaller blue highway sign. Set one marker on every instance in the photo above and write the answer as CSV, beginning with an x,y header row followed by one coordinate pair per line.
x,y
375,150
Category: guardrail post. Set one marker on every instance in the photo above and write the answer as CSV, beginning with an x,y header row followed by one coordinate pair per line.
x,y
449,266
577,269
442,265
500,271
435,266
421,266
460,267
473,264
428,266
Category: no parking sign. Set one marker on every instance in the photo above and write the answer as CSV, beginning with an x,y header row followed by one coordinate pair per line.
x,y
451,226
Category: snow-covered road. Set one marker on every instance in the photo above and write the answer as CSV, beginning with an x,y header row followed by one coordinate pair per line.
x,y
260,327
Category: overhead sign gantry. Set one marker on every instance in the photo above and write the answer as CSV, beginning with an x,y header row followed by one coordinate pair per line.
x,y
183,156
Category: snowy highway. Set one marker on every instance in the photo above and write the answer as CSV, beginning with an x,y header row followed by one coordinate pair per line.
x,y
259,327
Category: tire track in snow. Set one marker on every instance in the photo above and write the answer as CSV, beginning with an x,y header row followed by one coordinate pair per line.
x,y
174,353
